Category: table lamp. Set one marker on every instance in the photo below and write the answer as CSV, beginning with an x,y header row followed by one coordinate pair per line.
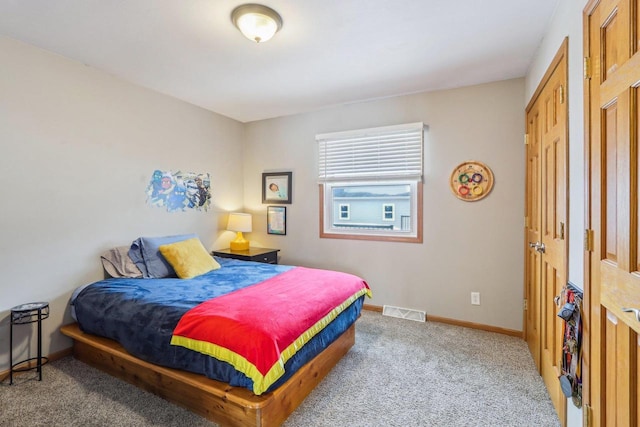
x,y
239,222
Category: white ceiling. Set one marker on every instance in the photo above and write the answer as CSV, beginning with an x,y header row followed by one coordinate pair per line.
x,y
329,52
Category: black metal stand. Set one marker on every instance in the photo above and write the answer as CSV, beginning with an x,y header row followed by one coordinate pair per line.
x,y
34,312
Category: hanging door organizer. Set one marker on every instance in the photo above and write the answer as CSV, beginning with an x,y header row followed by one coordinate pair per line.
x,y
571,313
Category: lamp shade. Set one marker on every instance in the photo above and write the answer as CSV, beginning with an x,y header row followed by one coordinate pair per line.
x,y
239,222
256,22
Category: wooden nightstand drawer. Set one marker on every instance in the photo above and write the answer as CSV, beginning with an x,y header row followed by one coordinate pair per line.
x,y
269,258
265,255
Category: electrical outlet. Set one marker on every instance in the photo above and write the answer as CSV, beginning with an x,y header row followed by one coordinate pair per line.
x,y
475,298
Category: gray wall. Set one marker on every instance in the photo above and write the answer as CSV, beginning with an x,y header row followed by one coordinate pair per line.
x,y
78,149
467,246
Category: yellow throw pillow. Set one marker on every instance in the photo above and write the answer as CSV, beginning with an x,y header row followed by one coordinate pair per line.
x,y
188,258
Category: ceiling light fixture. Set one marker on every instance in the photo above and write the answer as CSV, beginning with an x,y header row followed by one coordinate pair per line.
x,y
258,23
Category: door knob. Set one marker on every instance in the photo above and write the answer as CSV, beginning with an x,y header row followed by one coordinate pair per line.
x,y
634,311
541,248
533,245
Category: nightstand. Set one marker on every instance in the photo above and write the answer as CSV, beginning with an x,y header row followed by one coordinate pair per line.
x,y
266,255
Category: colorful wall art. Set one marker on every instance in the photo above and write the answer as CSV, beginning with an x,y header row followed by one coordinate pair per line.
x,y
179,191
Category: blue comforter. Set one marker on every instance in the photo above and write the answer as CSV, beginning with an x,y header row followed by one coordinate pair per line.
x,y
141,315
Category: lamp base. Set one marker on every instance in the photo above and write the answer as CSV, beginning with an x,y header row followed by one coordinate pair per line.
x,y
240,243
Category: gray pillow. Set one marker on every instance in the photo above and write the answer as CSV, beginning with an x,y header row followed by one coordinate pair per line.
x,y
117,263
145,254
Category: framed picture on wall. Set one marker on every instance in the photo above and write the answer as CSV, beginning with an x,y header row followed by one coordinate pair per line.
x,y
276,187
277,220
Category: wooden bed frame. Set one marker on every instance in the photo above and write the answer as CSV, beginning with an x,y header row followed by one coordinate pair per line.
x,y
214,400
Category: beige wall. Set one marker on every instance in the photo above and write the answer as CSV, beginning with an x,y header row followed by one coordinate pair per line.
x,y
78,147
467,246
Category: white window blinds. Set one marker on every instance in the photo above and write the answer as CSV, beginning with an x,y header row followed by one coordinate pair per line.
x,y
380,153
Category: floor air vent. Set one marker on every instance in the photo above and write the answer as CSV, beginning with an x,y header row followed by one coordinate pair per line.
x,y
404,313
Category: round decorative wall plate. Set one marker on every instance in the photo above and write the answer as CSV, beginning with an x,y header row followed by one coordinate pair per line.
x,y
471,181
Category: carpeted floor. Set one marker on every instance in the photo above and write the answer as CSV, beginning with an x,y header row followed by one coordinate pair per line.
x,y
399,373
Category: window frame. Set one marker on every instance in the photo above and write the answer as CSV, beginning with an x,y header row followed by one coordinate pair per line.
x,y
383,155
328,232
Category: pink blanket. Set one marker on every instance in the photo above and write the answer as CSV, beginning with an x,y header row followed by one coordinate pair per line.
x,y
258,328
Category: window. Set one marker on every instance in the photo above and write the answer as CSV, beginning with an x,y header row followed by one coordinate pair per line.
x,y
344,211
371,183
388,211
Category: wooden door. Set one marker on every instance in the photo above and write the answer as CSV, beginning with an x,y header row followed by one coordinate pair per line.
x,y
612,71
533,214
546,266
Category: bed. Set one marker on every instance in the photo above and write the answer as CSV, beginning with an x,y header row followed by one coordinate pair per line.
x,y
158,334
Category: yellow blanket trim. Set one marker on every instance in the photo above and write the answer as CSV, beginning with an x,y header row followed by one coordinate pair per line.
x,y
262,383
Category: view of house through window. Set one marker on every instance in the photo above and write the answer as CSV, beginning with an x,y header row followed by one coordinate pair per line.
x,y
371,206
376,209
371,183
